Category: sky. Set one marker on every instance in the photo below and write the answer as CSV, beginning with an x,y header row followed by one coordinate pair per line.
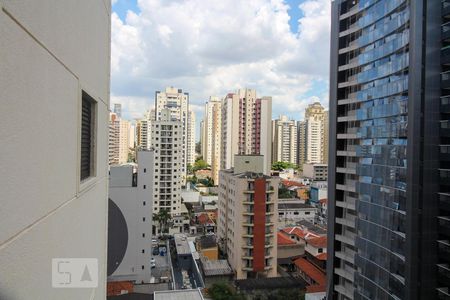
x,y
213,47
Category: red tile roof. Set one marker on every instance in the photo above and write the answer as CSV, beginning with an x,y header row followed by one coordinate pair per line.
x,y
323,201
321,256
289,183
299,232
282,239
311,271
205,219
318,242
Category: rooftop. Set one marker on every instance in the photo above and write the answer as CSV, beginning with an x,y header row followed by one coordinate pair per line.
x,y
311,271
294,205
215,267
312,227
283,240
289,183
299,232
179,295
182,244
207,241
322,256
318,242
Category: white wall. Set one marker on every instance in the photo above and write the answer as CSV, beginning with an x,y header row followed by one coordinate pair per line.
x,y
47,59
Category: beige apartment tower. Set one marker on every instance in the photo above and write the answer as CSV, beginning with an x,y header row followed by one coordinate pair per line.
x,y
247,218
246,127
211,135
313,135
54,83
284,142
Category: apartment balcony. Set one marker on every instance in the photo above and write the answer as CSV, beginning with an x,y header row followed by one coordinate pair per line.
x,y
345,274
443,293
446,9
445,128
352,63
347,221
445,32
248,224
249,192
352,29
247,269
348,292
444,201
445,55
247,246
248,235
445,80
353,11
444,271
248,213
444,225
444,175
344,239
349,257
349,116
351,80
444,152
444,251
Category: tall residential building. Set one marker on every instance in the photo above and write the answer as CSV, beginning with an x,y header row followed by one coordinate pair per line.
x,y
211,139
118,110
247,218
316,131
301,143
130,220
54,83
132,136
124,140
246,127
113,139
284,141
389,171
177,102
143,133
190,159
167,141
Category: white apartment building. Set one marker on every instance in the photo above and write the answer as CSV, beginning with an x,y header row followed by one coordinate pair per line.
x,y
130,220
246,127
313,134
291,211
316,172
54,83
124,140
190,159
113,140
247,218
284,141
211,135
167,141
132,136
177,102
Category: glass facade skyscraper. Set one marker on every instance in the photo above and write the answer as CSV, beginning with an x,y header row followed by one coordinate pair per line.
x,y
389,165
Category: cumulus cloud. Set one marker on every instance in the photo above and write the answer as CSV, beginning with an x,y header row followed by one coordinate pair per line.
x,y
214,47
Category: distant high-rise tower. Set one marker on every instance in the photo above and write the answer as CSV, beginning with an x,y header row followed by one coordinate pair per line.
x,y
301,143
284,142
190,159
389,166
118,110
316,131
211,139
177,102
246,127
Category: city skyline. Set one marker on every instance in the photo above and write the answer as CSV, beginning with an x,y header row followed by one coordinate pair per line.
x,y
289,74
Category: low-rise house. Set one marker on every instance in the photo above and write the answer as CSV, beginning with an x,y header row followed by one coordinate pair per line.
x,y
318,190
290,211
312,274
288,249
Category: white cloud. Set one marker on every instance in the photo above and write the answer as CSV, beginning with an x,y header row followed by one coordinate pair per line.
x,y
214,47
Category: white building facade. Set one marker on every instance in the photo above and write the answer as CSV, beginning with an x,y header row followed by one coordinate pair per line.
x,y
130,220
167,141
284,142
212,139
54,83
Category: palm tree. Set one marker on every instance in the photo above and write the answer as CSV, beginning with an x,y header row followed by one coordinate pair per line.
x,y
162,217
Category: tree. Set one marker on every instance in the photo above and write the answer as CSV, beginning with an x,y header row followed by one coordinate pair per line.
x,y
200,164
223,291
162,217
283,165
